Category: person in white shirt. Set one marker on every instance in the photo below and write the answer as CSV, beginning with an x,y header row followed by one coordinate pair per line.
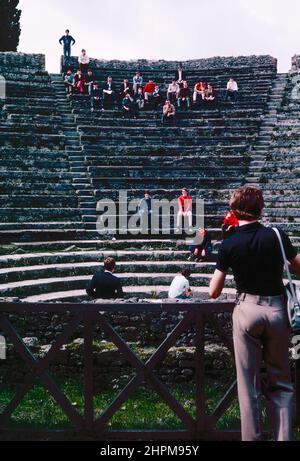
x,y
180,287
84,61
173,91
137,83
232,90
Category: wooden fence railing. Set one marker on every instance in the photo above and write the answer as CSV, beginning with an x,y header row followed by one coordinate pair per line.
x,y
202,427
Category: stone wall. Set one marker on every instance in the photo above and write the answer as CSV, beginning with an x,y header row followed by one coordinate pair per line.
x,y
201,64
22,63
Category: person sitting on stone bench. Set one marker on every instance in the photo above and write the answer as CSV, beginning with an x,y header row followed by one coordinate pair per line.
x,y
230,225
173,91
180,287
149,90
109,93
95,97
69,81
124,89
129,106
140,99
89,82
199,90
180,76
203,248
83,61
157,96
184,96
137,82
169,113
79,83
210,96
185,210
105,285
232,90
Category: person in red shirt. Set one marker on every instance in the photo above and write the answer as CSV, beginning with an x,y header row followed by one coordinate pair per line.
x,y
149,89
199,90
185,205
230,224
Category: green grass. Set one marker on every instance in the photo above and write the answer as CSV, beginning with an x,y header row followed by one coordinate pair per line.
x,y
144,410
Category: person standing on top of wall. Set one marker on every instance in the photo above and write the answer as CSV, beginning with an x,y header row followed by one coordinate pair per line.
x,y
67,41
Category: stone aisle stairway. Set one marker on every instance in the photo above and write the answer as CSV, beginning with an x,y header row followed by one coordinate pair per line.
x,y
74,151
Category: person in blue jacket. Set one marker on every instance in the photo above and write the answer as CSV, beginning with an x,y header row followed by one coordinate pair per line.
x,y
67,41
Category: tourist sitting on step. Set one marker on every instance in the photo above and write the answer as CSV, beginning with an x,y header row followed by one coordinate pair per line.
x,y
180,75
184,96
232,90
137,82
67,41
199,90
129,106
89,81
230,225
173,91
169,113
124,89
157,96
69,81
83,61
109,93
95,97
180,287
140,99
210,96
202,247
79,83
105,285
185,210
148,90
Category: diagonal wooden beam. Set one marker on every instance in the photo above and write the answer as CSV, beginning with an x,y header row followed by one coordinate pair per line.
x,y
219,330
145,372
222,406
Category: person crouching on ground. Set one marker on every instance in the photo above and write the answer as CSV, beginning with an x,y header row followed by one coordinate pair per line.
x,y
169,114
260,321
180,287
201,251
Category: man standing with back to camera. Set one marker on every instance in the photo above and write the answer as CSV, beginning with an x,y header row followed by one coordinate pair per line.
x,y
260,322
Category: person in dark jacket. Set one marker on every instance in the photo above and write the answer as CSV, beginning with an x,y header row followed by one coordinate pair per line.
x,y
67,41
109,93
105,285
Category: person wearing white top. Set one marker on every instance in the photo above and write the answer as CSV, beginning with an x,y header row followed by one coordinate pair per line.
x,y
180,287
84,61
232,90
173,91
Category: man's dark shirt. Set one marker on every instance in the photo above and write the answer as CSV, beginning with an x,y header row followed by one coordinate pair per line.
x,y
105,285
67,40
254,255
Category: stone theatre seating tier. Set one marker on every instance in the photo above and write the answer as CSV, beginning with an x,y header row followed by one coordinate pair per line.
x,y
57,160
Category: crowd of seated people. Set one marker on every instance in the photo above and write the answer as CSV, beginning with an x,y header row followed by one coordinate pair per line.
x,y
135,95
105,285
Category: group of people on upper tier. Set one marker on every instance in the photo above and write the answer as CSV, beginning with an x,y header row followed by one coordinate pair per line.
x,y
136,94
